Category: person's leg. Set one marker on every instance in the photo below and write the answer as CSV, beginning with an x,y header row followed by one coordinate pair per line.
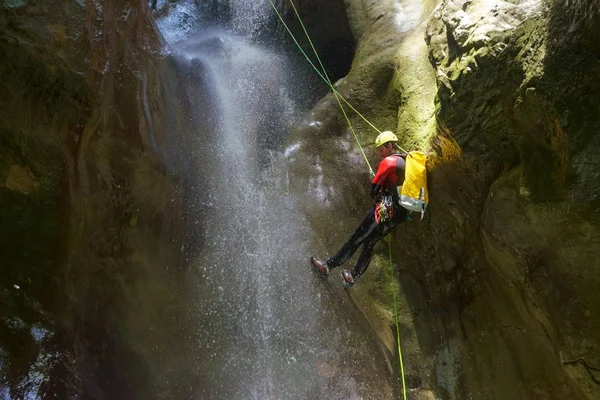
x,y
369,243
364,230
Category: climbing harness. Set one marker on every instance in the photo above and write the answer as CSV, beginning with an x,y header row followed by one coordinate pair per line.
x,y
384,210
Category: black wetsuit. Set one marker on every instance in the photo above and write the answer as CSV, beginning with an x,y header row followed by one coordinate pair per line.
x,y
390,175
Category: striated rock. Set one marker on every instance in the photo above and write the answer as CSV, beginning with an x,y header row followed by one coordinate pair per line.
x,y
97,238
499,283
505,106
391,82
498,286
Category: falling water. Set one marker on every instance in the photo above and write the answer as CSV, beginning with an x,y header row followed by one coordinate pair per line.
x,y
268,327
250,16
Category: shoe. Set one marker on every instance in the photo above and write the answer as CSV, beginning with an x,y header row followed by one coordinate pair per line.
x,y
319,265
348,278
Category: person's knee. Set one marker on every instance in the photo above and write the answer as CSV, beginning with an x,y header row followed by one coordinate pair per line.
x,y
369,246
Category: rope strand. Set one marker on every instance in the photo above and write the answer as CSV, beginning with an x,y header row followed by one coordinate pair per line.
x,y
328,80
319,72
397,324
338,96
334,90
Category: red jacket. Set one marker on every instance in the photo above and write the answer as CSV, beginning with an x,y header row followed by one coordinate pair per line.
x,y
390,174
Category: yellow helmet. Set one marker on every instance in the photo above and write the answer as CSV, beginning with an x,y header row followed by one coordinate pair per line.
x,y
385,137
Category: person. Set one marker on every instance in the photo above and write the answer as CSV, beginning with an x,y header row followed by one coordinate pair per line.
x,y
379,220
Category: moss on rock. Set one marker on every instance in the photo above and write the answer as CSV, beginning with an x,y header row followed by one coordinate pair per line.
x,y
514,208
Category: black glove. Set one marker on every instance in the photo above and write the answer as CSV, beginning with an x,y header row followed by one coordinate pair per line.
x,y
376,191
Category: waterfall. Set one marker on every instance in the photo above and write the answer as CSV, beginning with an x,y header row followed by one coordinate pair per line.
x,y
250,16
267,327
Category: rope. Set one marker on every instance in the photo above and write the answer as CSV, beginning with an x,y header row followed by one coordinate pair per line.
x,y
338,96
397,325
328,81
319,72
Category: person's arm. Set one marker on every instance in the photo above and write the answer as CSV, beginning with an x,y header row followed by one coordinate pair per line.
x,y
378,183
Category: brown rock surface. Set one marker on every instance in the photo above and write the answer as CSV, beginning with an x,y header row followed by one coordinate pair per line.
x,y
500,282
92,219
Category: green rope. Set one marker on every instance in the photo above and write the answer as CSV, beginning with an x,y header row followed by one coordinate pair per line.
x,y
319,72
334,90
338,96
328,80
397,324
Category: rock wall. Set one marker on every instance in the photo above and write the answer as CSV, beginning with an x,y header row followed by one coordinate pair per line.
x,y
510,116
328,28
499,282
498,285
92,204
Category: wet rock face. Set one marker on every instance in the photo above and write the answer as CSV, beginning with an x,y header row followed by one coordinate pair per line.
x,y
501,278
329,29
92,219
510,173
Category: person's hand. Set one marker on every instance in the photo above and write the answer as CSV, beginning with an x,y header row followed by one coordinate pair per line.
x,y
371,174
375,191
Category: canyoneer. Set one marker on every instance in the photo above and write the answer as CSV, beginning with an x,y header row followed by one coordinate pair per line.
x,y
384,214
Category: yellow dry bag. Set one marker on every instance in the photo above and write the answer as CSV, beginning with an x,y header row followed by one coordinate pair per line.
x,y
413,193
